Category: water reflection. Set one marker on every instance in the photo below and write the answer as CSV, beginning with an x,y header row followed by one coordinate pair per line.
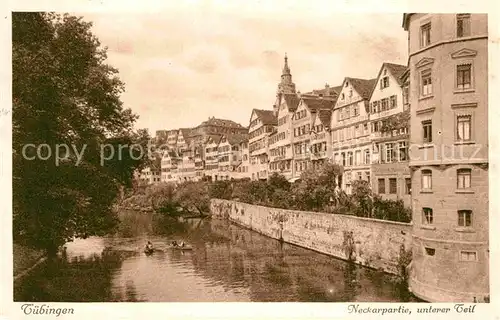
x,y
227,263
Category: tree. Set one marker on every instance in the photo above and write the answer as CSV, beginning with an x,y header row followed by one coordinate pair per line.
x,y
396,122
362,198
64,94
316,189
193,197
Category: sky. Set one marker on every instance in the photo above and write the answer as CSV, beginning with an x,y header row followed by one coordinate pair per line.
x,y
183,65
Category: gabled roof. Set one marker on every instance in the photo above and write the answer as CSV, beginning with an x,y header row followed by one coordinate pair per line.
x,y
236,138
314,104
325,116
266,116
397,71
363,87
291,100
214,138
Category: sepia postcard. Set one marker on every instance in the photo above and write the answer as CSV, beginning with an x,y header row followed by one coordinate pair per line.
x,y
224,158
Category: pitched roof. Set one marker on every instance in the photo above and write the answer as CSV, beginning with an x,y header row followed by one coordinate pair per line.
x,y
315,104
328,91
364,87
292,101
397,70
220,123
325,116
266,116
215,138
236,138
186,132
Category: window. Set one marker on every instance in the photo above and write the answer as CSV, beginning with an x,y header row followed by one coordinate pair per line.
x,y
426,179
356,110
360,175
464,218
463,25
403,151
385,104
427,216
393,188
349,159
427,126
463,178
367,156
430,251
367,175
384,82
393,102
343,159
426,83
381,186
358,157
468,256
425,35
406,95
408,185
464,128
388,152
464,76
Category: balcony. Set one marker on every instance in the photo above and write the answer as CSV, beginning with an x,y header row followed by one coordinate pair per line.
x,y
302,156
318,155
318,137
301,138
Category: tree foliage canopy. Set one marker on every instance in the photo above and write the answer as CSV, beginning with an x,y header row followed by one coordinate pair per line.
x,y
65,94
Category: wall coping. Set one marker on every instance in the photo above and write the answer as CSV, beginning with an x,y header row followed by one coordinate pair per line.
x,y
396,223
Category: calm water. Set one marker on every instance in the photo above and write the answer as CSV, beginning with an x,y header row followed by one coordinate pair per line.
x,y
227,263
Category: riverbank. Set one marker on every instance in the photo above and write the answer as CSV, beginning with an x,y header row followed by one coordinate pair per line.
x,y
25,260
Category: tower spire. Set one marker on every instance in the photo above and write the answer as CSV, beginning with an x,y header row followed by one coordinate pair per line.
x,y
286,69
286,85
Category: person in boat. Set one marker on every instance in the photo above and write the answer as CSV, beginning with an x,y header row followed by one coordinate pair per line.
x,y
182,244
149,246
174,243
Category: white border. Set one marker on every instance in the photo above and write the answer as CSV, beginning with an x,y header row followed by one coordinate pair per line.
x,y
11,310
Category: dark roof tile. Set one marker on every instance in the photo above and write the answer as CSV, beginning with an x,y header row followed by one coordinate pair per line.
x,y
266,116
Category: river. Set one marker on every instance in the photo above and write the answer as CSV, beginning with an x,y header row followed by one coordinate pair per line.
x,y
227,263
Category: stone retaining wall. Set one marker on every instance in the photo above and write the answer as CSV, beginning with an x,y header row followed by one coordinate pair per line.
x,y
370,242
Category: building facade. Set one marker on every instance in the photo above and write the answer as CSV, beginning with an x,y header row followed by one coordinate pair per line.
x,y
389,119
351,141
448,61
262,125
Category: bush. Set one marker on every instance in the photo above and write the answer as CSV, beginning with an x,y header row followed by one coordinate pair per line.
x,y
391,210
221,189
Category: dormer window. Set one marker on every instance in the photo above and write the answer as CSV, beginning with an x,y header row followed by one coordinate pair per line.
x,y
346,84
342,96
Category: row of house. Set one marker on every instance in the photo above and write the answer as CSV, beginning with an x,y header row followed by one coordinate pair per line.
x,y
358,125
345,124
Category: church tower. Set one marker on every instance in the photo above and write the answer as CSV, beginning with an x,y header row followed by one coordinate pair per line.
x,y
286,85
